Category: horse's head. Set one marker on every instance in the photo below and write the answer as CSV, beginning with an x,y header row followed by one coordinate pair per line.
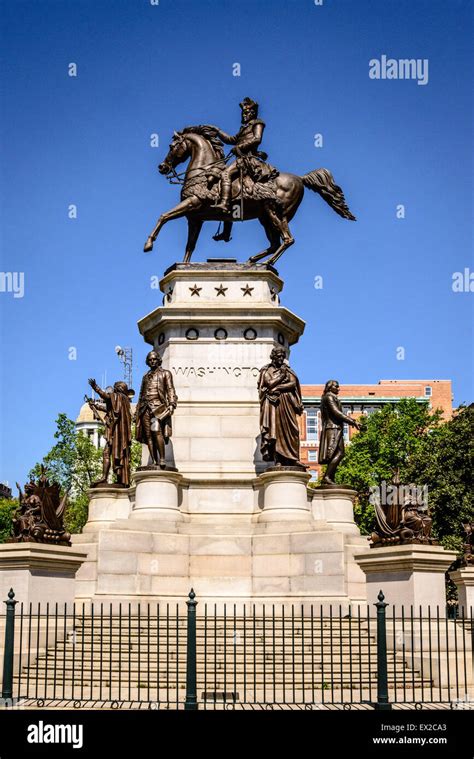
x,y
178,152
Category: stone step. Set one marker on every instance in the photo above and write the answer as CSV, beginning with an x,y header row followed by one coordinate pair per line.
x,y
164,657
270,644
229,635
288,668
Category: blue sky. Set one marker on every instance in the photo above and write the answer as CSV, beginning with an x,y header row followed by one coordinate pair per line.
x,y
143,69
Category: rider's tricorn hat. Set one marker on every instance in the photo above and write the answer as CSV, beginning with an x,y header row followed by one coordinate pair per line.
x,y
249,101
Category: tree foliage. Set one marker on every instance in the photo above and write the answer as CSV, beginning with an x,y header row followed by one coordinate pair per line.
x,y
8,506
445,462
413,441
74,463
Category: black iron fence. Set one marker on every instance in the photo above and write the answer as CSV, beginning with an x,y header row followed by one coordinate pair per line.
x,y
176,656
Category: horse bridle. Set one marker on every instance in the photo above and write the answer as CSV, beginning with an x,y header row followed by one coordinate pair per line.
x,y
174,177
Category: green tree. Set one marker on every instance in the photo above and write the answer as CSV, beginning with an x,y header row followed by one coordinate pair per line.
x,y
424,450
444,461
386,444
7,508
74,463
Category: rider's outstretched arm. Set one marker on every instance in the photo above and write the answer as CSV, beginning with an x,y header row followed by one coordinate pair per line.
x,y
227,138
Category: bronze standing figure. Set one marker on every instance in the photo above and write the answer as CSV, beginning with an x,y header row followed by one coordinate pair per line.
x,y
118,431
280,406
156,404
331,442
257,189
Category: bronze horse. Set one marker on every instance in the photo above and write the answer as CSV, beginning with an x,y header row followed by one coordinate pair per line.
x,y
199,194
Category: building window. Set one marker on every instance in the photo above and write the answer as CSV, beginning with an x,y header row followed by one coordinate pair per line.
x,y
314,475
346,433
369,410
428,391
312,455
312,424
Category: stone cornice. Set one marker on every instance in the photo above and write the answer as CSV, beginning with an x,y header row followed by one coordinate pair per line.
x,y
35,556
406,558
213,315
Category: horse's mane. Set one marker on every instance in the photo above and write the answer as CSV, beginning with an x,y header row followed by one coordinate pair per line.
x,y
210,134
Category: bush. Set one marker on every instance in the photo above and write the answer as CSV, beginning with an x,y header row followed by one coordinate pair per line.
x,y
7,509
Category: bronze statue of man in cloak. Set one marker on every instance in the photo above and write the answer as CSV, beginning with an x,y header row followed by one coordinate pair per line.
x,y
331,443
280,405
156,404
118,431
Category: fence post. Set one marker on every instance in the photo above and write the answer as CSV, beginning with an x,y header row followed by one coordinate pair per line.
x,y
7,682
382,678
191,695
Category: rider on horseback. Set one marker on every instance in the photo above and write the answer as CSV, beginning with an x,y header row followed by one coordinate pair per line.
x,y
250,160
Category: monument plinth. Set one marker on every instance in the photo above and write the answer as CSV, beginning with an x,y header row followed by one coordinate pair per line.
x,y
214,331
106,505
236,527
411,574
39,572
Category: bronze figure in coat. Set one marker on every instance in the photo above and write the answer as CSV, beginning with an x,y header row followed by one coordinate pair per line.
x,y
156,404
331,442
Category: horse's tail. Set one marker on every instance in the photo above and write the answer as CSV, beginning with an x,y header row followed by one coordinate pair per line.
x,y
322,182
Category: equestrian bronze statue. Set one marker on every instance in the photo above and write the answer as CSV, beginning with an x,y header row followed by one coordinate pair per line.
x,y
248,188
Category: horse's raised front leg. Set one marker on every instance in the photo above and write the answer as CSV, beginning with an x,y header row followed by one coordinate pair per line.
x,y
194,228
177,212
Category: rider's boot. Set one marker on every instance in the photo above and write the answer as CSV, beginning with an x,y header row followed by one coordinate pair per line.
x,y
224,204
226,234
221,236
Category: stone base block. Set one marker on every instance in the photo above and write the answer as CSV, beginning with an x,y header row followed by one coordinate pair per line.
x,y
408,575
336,507
39,573
464,580
316,566
106,505
285,497
157,495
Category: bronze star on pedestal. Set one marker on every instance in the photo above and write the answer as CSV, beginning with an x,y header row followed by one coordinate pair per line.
x,y
195,290
247,290
221,290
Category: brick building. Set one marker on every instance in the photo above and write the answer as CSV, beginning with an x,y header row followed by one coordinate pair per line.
x,y
365,399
